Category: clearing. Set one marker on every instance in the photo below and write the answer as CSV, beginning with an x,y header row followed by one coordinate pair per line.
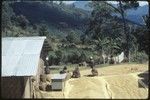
x,y
115,81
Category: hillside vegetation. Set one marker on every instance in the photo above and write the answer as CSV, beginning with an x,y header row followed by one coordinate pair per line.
x,y
75,34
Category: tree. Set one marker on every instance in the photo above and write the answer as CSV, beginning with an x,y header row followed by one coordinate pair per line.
x,y
72,37
52,58
60,2
124,5
83,38
43,30
22,21
101,44
83,57
146,40
58,54
103,22
7,13
73,5
104,28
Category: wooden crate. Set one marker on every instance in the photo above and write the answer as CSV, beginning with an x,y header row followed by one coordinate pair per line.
x,y
58,81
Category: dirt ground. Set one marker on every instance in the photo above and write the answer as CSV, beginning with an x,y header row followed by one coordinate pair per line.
x,y
116,81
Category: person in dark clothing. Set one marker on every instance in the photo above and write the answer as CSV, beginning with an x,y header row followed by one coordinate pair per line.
x,y
76,73
47,69
64,70
94,72
91,62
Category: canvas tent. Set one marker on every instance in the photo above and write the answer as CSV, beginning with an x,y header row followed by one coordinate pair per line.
x,y
20,63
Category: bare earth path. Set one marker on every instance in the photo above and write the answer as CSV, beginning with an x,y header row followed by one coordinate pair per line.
x,y
117,81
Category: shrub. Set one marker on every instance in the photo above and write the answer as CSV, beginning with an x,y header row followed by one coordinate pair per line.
x,y
83,57
74,57
99,60
139,57
22,21
58,54
52,58
72,38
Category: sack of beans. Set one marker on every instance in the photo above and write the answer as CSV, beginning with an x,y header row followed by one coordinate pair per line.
x,y
43,78
68,76
42,86
48,77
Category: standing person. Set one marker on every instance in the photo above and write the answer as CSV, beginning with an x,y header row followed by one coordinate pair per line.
x,y
91,62
47,69
93,71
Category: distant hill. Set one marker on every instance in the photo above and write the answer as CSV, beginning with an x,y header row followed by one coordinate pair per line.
x,y
134,15
61,19
56,16
82,5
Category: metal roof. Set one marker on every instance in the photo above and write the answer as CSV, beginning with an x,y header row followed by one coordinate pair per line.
x,y
20,55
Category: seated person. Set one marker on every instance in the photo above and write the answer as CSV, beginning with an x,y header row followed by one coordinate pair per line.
x,y
64,70
94,72
76,73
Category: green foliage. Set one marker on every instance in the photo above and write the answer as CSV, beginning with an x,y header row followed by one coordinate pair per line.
x,y
84,39
109,35
52,13
72,37
52,58
7,13
103,29
69,55
22,21
58,54
104,35
83,57
140,57
43,30
48,11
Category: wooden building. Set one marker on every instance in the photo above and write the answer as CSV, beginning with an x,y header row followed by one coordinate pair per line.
x,y
22,65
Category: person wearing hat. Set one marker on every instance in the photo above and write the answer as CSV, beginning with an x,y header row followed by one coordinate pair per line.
x,y
91,62
47,69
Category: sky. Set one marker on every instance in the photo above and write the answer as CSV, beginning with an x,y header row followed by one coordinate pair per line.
x,y
141,3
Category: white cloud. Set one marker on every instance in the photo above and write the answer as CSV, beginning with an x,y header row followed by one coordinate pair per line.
x,y
142,3
113,2
69,2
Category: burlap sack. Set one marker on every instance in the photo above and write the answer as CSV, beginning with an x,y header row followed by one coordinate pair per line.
x,y
42,86
43,78
48,77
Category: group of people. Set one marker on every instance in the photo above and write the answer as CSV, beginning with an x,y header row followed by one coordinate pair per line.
x,y
76,72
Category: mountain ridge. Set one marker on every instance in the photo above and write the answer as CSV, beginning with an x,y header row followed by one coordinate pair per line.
x,y
134,15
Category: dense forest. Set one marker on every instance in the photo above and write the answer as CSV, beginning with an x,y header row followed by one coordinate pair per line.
x,y
75,34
